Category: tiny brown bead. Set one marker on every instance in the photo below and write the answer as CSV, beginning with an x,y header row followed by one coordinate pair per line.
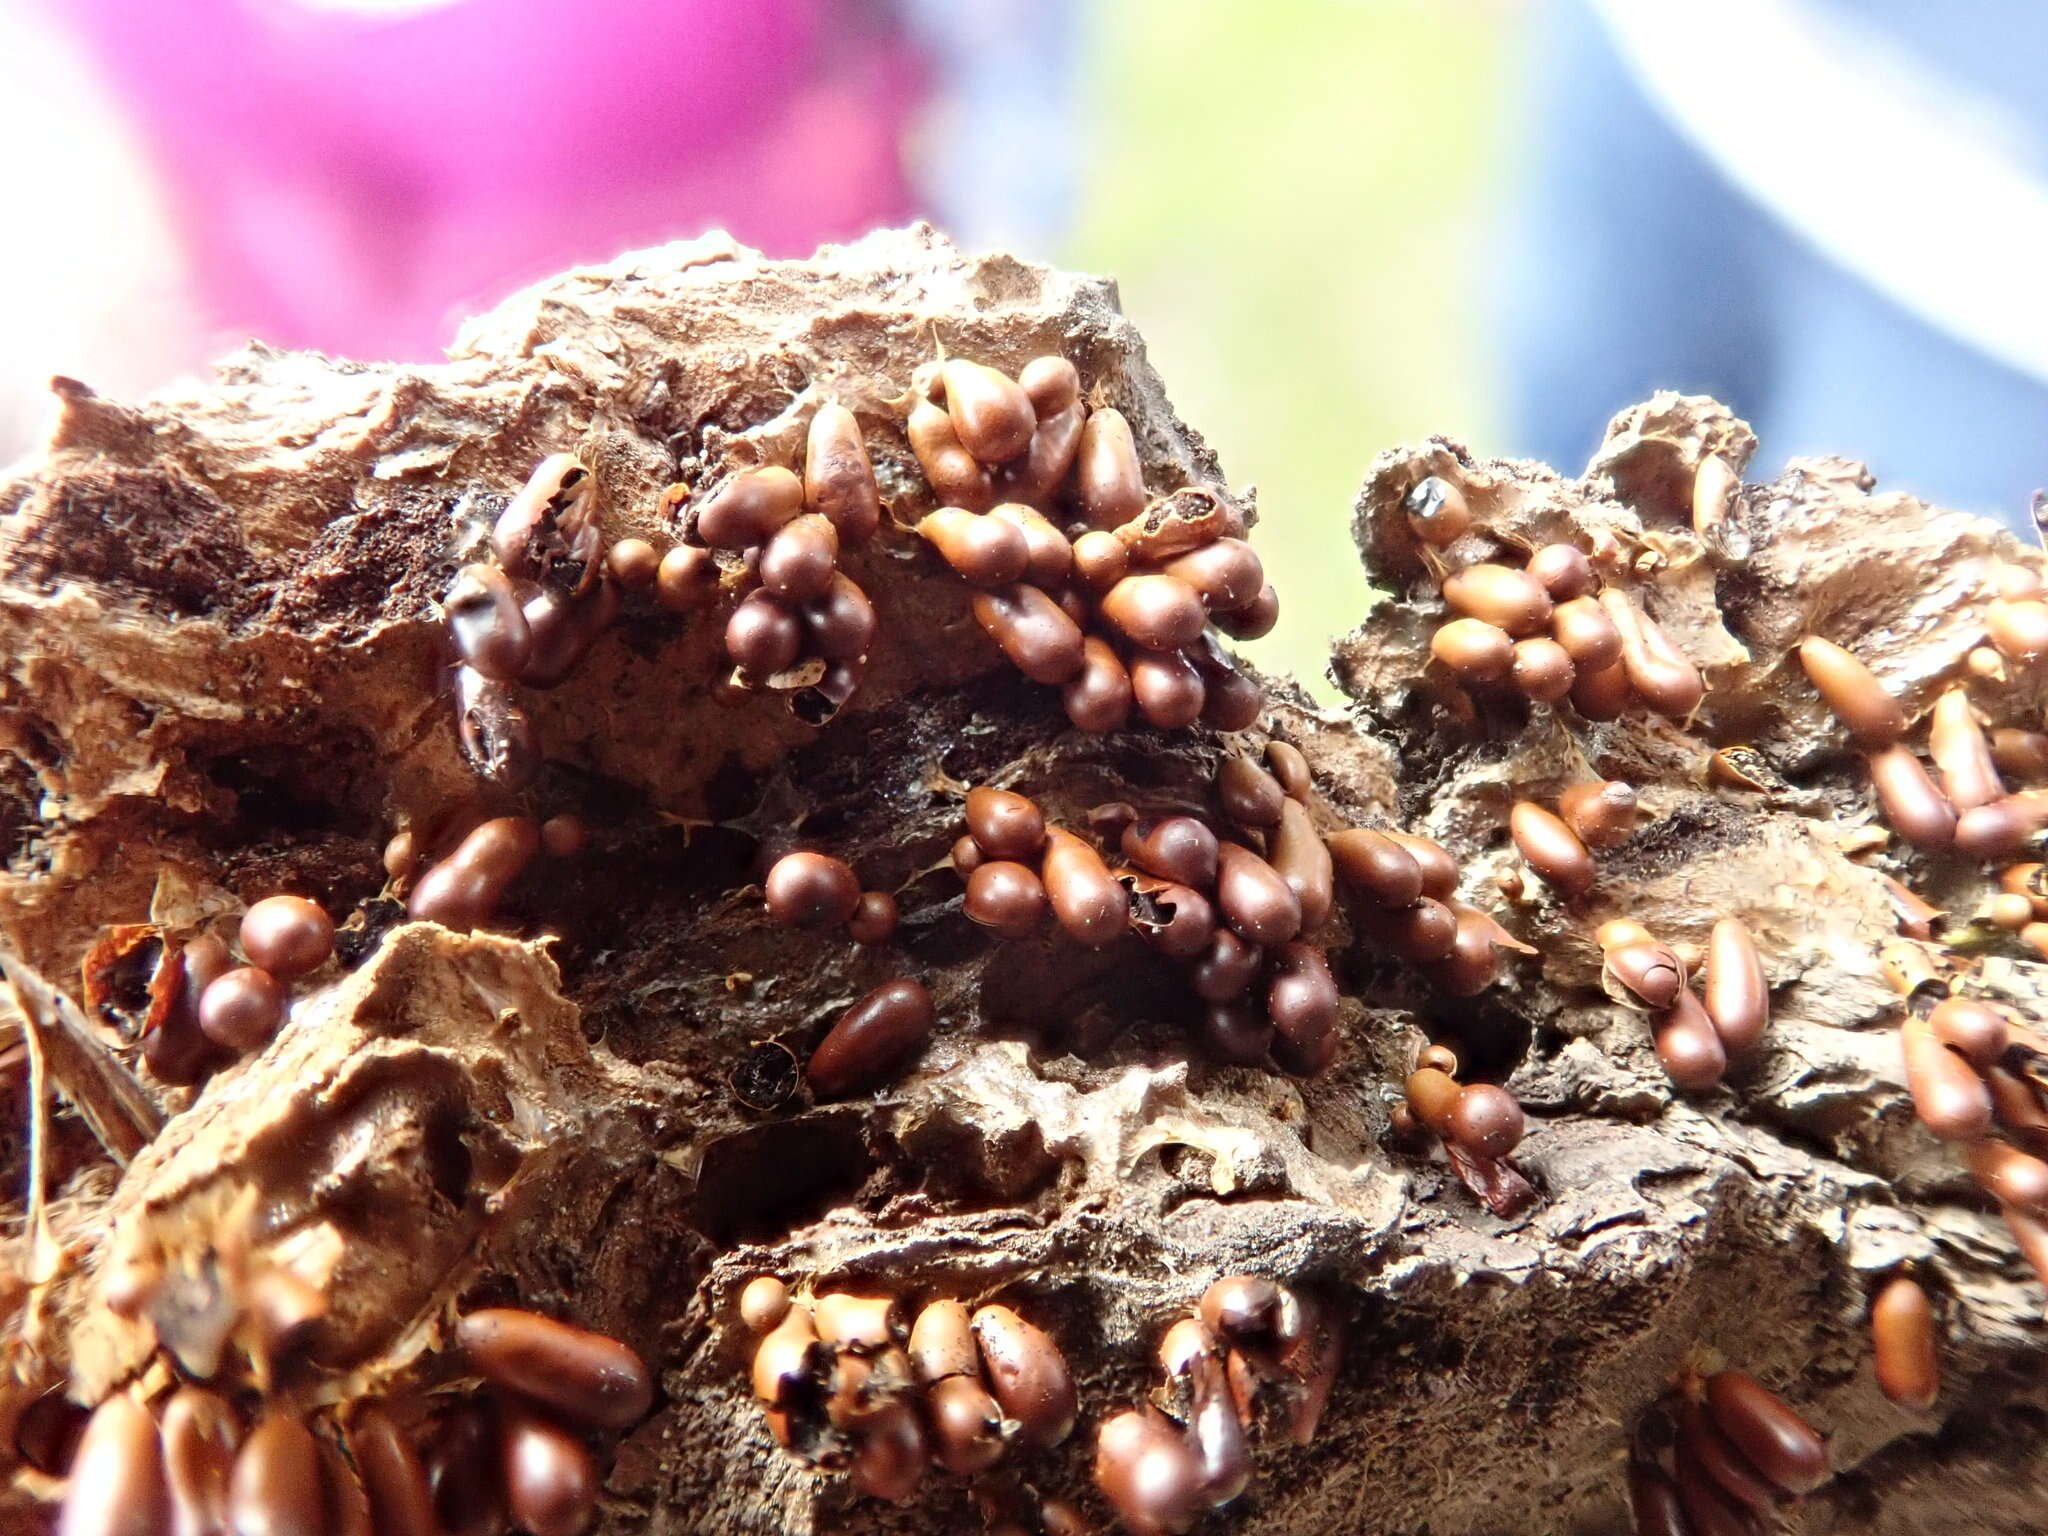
x,y
839,479
2023,754
1178,848
463,1470
842,623
1158,612
287,935
1168,688
1098,698
242,1009
564,836
1231,701
1296,851
1655,667
2018,629
634,564
942,1342
1779,1443
200,1436
874,918
1702,1445
117,1475
749,507
1689,1047
1226,968
1291,769
1149,1473
1912,806
1051,383
1478,652
1432,1096
2011,1177
1563,571
277,1487
1049,556
764,1302
1602,693
1588,636
1088,903
1962,753
1255,620
1225,573
551,1479
764,635
957,478
1486,1120
1654,1505
1852,691
687,579
1423,932
798,560
401,1503
1437,511
967,856
1905,1345
1236,1031
1101,560
1251,796
1601,813
1029,628
1976,1029
1027,1374
1302,1001
2004,828
496,736
1007,897
873,1038
1650,970
889,1454
1499,595
966,1425
1474,961
589,1377
487,624
811,890
1442,1057
983,550
1439,869
1373,863
1735,992
1552,849
1948,1095
1543,670
177,1049
1253,898
1006,825
992,415
1108,483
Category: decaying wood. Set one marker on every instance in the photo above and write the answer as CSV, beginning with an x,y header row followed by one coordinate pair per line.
x,y
224,675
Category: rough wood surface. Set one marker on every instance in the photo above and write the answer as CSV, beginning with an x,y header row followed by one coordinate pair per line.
x,y
224,674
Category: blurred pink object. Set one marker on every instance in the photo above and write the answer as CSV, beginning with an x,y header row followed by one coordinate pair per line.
x,y
355,179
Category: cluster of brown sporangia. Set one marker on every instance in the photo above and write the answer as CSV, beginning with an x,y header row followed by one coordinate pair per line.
x,y
1086,583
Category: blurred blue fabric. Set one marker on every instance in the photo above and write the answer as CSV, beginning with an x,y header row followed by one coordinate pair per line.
x,y
1631,264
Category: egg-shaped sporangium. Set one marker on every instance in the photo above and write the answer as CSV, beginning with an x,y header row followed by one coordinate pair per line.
x,y
590,1377
1027,1375
873,1038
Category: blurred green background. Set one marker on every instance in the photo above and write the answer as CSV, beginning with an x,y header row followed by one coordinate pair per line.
x,y
1334,159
